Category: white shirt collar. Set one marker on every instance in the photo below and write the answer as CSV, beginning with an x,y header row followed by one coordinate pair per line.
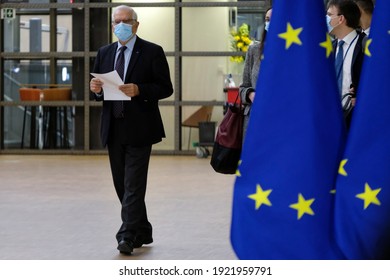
x,y
349,38
367,31
129,44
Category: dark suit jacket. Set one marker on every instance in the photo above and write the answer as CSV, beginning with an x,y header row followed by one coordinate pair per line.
x,y
356,67
148,68
357,59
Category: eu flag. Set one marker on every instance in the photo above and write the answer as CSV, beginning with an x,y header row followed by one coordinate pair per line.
x,y
283,199
362,210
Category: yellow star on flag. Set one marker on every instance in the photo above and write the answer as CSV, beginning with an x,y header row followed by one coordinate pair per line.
x,y
238,173
367,50
341,167
327,45
291,35
369,196
303,206
261,197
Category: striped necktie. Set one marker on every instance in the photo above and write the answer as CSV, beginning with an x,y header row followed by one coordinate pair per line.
x,y
120,68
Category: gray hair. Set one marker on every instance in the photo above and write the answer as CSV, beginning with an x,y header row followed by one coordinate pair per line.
x,y
126,8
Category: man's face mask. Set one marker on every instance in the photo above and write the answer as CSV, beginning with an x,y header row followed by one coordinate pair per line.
x,y
328,20
267,25
123,31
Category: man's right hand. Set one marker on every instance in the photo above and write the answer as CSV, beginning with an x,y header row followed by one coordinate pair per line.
x,y
96,85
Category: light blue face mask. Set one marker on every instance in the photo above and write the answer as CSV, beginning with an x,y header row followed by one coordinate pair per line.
x,y
328,19
330,27
123,31
266,27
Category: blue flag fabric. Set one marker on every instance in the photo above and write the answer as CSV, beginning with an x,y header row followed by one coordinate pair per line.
x,y
363,186
283,201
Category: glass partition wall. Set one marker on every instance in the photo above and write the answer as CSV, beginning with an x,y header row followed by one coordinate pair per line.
x,y
48,50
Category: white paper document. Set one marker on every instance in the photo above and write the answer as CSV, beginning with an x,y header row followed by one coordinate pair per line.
x,y
111,82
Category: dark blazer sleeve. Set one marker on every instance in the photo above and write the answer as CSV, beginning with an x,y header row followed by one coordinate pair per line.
x,y
104,63
149,69
356,67
357,61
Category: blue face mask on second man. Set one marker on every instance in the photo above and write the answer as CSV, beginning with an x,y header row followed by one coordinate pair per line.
x,y
330,27
266,27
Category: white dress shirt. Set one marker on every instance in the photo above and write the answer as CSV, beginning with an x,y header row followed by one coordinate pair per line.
x,y
348,48
128,52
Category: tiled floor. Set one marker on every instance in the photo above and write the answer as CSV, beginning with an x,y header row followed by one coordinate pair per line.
x,y
65,207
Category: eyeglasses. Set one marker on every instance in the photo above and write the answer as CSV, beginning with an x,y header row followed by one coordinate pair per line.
x,y
128,21
332,17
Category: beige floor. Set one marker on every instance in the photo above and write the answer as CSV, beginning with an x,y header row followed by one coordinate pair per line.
x,y
65,207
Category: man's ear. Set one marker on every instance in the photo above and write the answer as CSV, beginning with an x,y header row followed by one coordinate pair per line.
x,y
135,26
342,19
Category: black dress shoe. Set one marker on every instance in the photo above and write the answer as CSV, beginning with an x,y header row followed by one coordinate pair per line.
x,y
125,247
139,241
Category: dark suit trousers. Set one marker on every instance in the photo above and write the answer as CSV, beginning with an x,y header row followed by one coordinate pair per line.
x,y
129,168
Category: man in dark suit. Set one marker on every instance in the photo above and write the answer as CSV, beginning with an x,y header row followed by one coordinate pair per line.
x,y
129,128
343,18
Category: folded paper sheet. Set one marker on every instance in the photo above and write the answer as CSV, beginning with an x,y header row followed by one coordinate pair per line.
x,y
111,82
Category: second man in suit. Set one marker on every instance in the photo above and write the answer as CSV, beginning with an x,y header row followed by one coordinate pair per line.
x,y
343,19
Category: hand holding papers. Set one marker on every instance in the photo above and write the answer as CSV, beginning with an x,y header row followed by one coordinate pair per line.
x,y
111,82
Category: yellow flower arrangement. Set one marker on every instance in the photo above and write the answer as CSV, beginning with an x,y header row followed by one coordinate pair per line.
x,y
240,41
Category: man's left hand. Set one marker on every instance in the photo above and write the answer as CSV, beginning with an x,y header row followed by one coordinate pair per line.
x,y
130,90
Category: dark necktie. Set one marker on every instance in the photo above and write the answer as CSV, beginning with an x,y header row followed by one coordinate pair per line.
x,y
339,66
120,68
